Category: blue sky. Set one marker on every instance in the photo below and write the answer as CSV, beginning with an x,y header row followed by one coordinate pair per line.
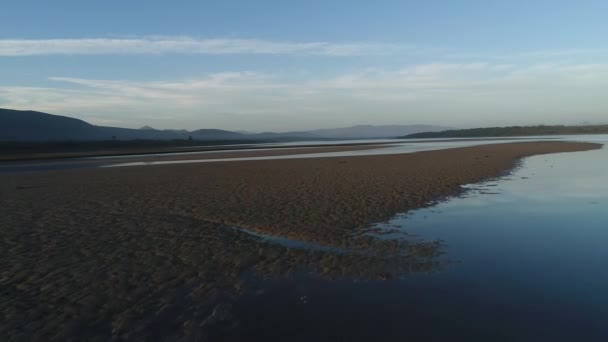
x,y
286,65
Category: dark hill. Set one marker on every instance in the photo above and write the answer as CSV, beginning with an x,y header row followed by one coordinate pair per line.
x,y
29,125
32,126
512,131
371,131
25,126
17,125
216,134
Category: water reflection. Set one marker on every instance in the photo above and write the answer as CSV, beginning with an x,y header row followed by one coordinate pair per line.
x,y
394,146
402,146
531,249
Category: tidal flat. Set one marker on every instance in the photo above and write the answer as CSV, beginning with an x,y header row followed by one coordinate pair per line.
x,y
166,251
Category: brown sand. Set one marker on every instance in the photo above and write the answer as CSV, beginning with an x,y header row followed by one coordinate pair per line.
x,y
144,251
322,200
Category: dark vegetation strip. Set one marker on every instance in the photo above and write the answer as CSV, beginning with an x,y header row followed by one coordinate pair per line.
x,y
512,131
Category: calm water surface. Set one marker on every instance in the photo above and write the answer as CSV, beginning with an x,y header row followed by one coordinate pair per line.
x,y
527,259
393,146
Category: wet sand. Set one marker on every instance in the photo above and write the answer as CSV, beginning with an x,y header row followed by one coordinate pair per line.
x,y
151,251
249,154
46,164
220,150
248,150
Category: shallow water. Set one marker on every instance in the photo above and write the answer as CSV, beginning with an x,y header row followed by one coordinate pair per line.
x,y
394,146
526,254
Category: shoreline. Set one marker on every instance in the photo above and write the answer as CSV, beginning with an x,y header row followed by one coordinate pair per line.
x,y
153,251
162,152
145,159
309,199
220,154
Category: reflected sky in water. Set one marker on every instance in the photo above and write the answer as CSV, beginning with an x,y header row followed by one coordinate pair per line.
x,y
527,254
393,146
533,241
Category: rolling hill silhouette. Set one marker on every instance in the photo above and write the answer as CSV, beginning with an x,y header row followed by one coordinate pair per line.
x,y
23,126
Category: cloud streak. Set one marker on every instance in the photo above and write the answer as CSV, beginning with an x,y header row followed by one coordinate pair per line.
x,y
187,45
448,94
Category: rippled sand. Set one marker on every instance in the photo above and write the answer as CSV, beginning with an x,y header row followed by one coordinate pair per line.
x,y
151,252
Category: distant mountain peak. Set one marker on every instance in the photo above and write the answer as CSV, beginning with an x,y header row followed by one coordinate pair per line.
x,y
148,128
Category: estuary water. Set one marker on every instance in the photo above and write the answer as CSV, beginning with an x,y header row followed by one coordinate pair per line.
x,y
377,147
525,261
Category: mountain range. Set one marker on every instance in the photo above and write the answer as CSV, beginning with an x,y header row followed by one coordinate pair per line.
x,y
17,125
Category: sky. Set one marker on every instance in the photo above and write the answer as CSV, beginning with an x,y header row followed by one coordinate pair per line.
x,y
281,65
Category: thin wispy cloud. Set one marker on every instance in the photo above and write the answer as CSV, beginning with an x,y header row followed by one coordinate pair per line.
x,y
443,93
188,45
529,57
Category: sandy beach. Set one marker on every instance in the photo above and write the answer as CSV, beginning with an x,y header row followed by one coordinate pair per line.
x,y
150,251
